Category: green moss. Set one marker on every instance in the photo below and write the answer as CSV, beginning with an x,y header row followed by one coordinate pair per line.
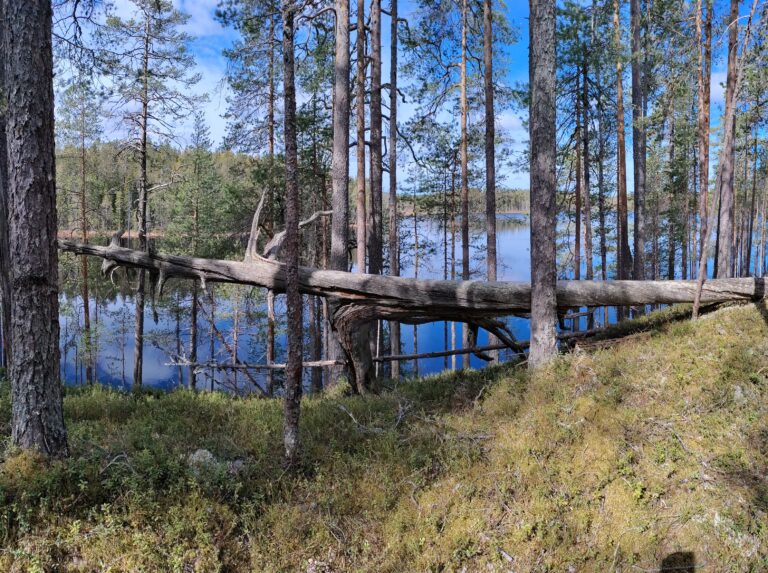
x,y
606,460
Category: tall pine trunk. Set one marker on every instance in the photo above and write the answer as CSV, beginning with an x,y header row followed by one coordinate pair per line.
x,y
138,350
725,258
394,241
623,254
464,111
361,219
340,155
5,283
36,393
542,61
293,370
638,140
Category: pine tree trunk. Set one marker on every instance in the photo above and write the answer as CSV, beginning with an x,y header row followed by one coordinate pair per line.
x,y
638,141
490,153
84,260
394,241
138,352
725,258
752,213
623,254
36,393
361,217
340,154
702,120
542,115
465,332
5,283
293,386
579,190
375,252
193,336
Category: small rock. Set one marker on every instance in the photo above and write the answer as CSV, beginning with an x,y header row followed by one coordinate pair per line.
x,y
235,467
201,458
738,393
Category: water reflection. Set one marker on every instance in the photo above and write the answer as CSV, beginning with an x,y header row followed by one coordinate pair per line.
x,y
232,320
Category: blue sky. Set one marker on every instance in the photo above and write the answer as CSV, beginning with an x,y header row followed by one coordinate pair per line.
x,y
210,38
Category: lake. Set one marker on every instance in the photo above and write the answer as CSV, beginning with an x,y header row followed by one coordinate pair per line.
x,y
167,328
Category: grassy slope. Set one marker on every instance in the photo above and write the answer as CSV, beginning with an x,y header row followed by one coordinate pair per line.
x,y
609,461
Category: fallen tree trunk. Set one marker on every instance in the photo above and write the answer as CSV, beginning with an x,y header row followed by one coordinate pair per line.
x,y
359,298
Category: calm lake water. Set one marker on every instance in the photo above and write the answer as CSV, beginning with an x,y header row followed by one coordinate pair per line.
x,y
167,338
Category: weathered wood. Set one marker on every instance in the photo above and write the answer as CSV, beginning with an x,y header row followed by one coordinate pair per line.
x,y
248,366
417,299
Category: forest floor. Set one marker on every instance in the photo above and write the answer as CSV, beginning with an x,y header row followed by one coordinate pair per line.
x,y
644,455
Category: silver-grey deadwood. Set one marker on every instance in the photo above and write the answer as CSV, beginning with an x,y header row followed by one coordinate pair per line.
x,y
38,421
543,155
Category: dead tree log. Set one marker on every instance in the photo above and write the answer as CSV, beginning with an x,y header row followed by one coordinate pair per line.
x,y
356,299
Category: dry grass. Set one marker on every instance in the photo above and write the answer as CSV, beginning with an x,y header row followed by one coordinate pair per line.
x,y
610,460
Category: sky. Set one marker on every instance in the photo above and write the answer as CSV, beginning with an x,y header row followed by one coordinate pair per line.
x,y
211,38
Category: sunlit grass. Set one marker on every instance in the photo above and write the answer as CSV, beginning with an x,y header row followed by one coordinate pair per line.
x,y
609,459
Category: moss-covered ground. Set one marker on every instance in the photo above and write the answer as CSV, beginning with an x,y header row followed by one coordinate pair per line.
x,y
646,454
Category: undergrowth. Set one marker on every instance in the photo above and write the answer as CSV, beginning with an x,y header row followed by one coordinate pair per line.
x,y
610,460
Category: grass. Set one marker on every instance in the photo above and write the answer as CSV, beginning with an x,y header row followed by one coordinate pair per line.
x,y
610,460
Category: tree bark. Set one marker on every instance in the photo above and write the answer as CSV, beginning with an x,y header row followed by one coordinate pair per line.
x,y
361,219
729,132
416,300
138,351
394,241
5,281
623,254
340,154
293,371
638,140
375,250
542,62
466,340
36,394
193,336
84,260
490,141
725,258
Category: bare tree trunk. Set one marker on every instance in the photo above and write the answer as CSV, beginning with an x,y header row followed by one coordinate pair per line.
x,y
361,218
5,283
293,386
587,189
394,241
601,195
193,336
84,260
138,351
752,213
579,192
340,156
725,258
623,254
490,151
638,140
416,276
729,132
271,90
453,256
177,332
542,60
375,253
702,97
465,333
36,395
673,202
